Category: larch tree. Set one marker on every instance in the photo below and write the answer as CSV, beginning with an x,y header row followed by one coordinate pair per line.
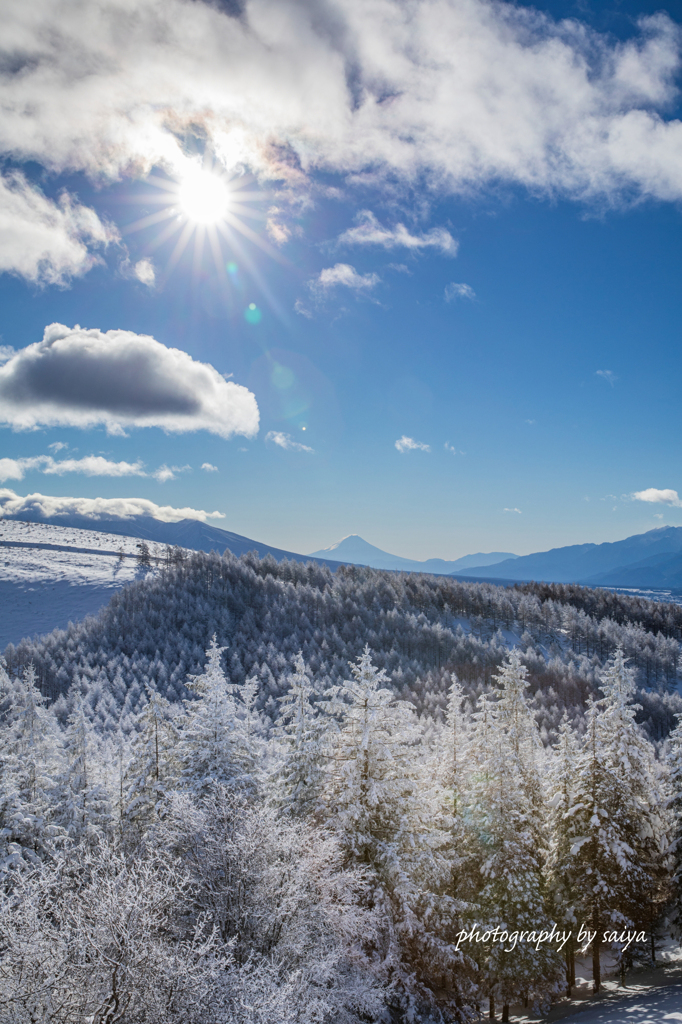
x,y
301,730
213,748
84,804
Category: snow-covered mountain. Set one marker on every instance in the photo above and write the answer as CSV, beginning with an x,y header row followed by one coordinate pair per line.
x,y
357,551
651,559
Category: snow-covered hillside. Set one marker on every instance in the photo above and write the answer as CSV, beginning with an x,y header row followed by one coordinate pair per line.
x,y
50,575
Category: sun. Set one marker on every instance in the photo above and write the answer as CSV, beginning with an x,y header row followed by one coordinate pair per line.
x,y
203,197
200,201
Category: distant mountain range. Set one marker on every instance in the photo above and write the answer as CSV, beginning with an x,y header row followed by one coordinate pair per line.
x,y
652,559
357,551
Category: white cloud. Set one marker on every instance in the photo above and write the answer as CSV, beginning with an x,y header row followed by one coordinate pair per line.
x,y
658,496
6,352
608,375
518,510
346,275
408,444
287,442
80,378
452,449
165,473
90,465
209,468
368,231
58,446
142,271
43,241
445,94
12,504
459,291
301,310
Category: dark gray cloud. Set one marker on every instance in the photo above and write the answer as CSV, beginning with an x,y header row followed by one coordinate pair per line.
x,y
77,377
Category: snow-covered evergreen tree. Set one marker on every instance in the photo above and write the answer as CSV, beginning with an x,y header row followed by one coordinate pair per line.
x,y
84,809
505,807
153,768
301,730
617,816
31,758
560,867
214,748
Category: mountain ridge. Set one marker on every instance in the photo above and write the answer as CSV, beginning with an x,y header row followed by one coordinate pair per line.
x,y
357,551
644,559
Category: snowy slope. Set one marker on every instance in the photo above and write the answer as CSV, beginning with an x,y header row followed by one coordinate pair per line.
x,y
50,575
651,1007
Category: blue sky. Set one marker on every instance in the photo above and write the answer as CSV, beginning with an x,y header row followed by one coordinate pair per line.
x,y
449,303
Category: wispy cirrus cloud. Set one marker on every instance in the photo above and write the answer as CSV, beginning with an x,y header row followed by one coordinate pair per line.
x,y
89,465
517,510
287,442
458,291
12,504
607,375
83,377
408,444
369,231
658,496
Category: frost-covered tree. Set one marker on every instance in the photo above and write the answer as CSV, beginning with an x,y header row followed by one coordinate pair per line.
x,y
381,814
301,730
214,748
618,815
563,899
31,759
153,767
84,809
506,817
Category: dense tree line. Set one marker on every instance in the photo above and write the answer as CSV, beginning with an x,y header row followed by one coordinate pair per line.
x,y
420,628
341,859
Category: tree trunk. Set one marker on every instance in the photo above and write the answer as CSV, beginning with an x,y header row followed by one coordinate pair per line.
x,y
596,965
505,1013
491,1012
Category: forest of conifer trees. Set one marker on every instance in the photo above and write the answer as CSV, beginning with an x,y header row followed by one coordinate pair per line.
x,y
261,792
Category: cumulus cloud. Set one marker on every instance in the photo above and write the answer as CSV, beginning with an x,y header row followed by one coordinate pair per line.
x,y
80,378
458,291
287,442
408,444
517,510
12,504
6,352
607,375
43,241
208,468
657,496
443,94
345,275
368,231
